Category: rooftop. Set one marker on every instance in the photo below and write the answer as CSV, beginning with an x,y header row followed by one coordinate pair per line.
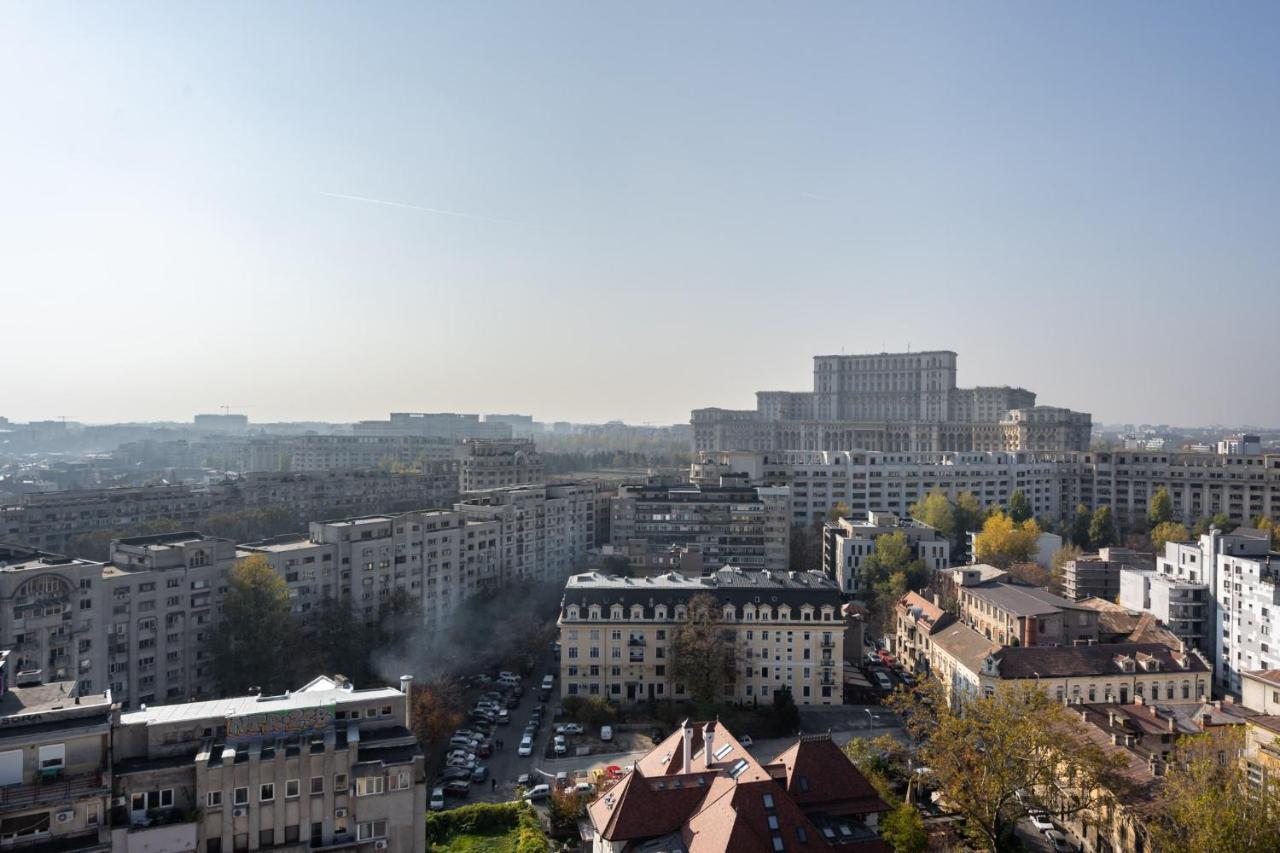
x,y
1268,676
18,558
311,696
728,577
1020,600
18,702
1097,659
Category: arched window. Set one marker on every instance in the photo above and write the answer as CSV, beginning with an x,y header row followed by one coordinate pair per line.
x,y
615,612
572,612
637,612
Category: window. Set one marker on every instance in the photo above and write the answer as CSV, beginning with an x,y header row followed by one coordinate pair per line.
x,y
266,838
213,845
267,792
339,783
292,788
213,799
399,781
369,785
371,829
240,796
317,784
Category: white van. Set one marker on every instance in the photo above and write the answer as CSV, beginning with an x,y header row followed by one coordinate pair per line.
x,y
606,733
548,682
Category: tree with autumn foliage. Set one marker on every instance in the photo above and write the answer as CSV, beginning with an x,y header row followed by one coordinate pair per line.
x,y
1003,541
255,639
1016,740
1207,804
435,710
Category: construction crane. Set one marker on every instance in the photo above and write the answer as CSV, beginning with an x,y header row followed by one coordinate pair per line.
x,y
226,408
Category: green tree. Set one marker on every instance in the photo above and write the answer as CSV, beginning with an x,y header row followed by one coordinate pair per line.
x,y
1079,534
1102,528
1004,542
892,553
253,642
1207,806
1019,507
786,716
336,642
935,510
1160,510
700,657
969,515
903,830
1223,522
1168,531
981,756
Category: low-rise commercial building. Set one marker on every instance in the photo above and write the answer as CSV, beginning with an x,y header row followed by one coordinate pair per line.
x,y
616,635
848,542
1021,615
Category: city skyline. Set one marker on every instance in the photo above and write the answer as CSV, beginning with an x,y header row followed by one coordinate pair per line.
x,y
328,213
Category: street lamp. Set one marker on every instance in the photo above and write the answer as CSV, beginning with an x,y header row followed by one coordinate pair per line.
x,y
872,719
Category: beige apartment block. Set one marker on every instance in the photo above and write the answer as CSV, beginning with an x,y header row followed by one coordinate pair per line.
x,y
787,630
55,771
493,463
323,766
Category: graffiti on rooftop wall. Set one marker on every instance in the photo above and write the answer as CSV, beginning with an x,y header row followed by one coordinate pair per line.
x,y
272,724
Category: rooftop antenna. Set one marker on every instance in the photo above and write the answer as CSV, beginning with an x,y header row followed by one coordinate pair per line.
x,y
226,408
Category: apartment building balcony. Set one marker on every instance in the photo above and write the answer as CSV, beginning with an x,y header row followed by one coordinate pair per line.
x,y
59,788
636,640
828,644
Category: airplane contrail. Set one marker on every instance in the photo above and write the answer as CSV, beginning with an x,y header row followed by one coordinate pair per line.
x,y
420,207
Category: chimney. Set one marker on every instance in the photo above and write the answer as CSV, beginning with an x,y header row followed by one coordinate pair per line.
x,y
1173,723
406,683
688,746
708,742
1206,720
1139,700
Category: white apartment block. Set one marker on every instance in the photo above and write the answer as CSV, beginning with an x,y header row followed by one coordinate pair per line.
x,y
312,453
868,481
848,542
1200,484
490,463
545,530
788,632
436,557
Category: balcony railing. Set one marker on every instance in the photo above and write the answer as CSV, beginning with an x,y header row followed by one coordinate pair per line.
x,y
62,788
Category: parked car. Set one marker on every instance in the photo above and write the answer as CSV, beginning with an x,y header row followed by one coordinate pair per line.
x,y
507,676
538,792
562,779
548,682
485,748
504,717
526,746
560,746
480,774
584,788
883,681
873,658
908,679
451,773
570,729
437,800
458,787
1041,821
461,762
745,740
523,780
1058,841
606,733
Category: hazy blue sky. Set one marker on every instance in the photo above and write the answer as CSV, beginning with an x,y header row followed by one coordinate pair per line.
x,y
667,205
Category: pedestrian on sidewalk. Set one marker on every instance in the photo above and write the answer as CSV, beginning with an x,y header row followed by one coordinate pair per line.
x,y
493,783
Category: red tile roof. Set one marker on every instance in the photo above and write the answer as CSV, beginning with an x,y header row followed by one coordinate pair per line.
x,y
818,773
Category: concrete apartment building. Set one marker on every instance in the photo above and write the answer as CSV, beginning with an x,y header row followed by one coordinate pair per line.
x,y
615,635
1055,482
1218,593
1020,615
158,602
545,530
312,453
55,765
886,482
740,525
324,766
848,542
437,424
48,521
1098,575
892,402
495,463
437,557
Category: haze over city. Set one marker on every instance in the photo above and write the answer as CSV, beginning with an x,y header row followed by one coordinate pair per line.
x,y
628,212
